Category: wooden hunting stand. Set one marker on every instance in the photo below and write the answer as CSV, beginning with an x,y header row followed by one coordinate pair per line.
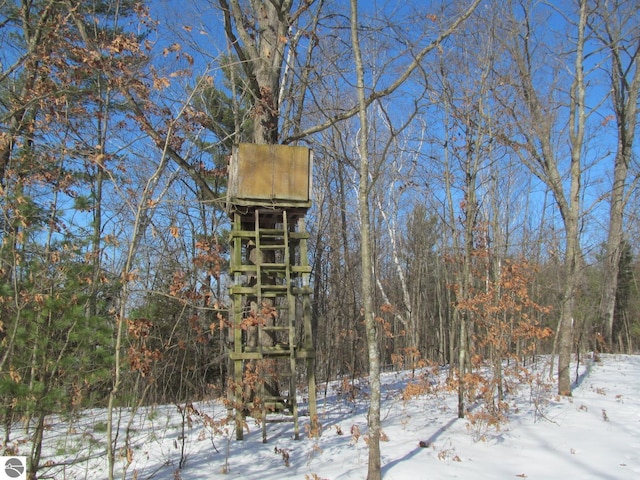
x,y
268,197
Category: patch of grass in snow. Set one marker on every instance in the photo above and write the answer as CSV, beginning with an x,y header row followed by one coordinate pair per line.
x,y
100,427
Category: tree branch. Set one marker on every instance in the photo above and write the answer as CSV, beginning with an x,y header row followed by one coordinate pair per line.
x,y
415,63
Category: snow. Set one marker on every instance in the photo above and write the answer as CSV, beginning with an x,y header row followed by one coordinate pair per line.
x,y
595,434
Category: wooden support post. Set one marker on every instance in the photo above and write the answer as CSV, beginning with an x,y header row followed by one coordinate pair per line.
x,y
270,272
238,371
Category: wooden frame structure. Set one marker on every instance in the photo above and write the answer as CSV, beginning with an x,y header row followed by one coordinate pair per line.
x,y
271,334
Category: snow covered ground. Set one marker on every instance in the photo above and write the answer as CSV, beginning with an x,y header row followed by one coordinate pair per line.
x,y
593,435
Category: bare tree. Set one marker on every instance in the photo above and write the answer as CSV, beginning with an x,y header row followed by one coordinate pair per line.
x,y
536,124
374,472
465,79
367,178
615,24
259,34
392,175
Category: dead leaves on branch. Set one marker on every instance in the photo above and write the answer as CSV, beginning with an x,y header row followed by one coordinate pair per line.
x,y
503,310
261,316
141,357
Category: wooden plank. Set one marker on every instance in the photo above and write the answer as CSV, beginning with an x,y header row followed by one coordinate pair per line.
x,y
270,174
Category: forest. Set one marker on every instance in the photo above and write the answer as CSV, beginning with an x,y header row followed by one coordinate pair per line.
x,y
475,189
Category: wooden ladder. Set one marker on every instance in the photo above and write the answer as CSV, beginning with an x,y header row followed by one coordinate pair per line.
x,y
276,330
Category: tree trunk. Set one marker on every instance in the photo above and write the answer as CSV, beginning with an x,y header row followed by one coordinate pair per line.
x,y
577,119
625,88
462,362
260,47
536,124
374,471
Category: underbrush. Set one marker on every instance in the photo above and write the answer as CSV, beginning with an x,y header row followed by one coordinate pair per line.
x,y
487,397
175,436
